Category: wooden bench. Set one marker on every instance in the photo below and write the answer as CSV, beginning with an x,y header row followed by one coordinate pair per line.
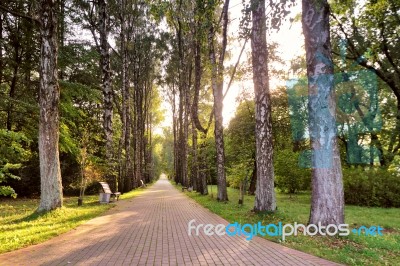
x,y
190,189
107,190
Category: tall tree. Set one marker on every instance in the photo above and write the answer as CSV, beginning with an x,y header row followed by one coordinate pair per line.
x,y
104,29
265,194
49,97
370,29
327,203
217,83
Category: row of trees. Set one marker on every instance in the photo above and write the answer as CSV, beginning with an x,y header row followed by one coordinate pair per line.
x,y
202,71
198,34
98,98
98,101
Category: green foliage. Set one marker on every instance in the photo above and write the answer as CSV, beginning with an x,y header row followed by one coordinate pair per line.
x,y
378,187
240,144
12,154
238,173
371,31
289,176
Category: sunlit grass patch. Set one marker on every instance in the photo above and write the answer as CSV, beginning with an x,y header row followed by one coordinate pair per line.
x,y
351,250
21,225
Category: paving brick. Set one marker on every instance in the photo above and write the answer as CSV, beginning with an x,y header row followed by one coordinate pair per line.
x,y
152,229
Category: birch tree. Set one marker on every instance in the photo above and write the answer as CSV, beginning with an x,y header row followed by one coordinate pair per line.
x,y
327,202
106,75
49,97
217,84
265,195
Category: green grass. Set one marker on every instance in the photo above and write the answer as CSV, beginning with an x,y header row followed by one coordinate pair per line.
x,y
351,250
21,225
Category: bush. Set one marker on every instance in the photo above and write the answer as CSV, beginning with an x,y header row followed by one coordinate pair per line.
x,y
289,177
238,173
12,153
375,187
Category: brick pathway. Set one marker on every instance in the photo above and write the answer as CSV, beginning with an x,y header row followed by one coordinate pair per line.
x,y
152,229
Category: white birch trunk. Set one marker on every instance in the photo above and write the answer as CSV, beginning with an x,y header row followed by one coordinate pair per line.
x,y
106,77
49,97
265,194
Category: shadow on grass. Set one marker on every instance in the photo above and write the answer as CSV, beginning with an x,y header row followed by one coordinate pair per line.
x,y
29,218
38,214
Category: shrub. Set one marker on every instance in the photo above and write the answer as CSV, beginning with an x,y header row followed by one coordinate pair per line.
x,y
289,177
12,153
374,187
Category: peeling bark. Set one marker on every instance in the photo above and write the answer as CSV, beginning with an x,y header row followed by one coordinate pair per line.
x,y
327,201
49,97
106,77
265,194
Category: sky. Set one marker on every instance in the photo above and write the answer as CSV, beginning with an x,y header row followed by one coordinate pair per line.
x,y
289,38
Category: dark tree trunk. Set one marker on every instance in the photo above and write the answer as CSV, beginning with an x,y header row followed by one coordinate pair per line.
x,y
175,132
18,50
1,48
49,96
195,160
265,193
13,86
327,203
253,181
203,189
61,29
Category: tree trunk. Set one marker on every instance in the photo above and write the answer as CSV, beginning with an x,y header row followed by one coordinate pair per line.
x,y
61,29
265,193
50,174
217,83
106,77
203,189
327,203
253,181
1,48
218,130
13,86
194,181
175,132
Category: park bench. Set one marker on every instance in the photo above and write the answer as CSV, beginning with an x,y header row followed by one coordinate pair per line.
x,y
107,191
190,189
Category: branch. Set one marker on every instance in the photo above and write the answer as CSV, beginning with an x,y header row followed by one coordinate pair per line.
x,y
234,69
363,62
21,15
224,35
386,49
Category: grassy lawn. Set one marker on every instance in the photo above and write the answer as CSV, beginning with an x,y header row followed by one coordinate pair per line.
x,y
21,226
351,250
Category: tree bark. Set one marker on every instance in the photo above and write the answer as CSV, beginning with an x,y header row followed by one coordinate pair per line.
x,y
50,174
253,180
13,86
106,77
194,181
203,189
265,193
1,48
217,83
327,202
